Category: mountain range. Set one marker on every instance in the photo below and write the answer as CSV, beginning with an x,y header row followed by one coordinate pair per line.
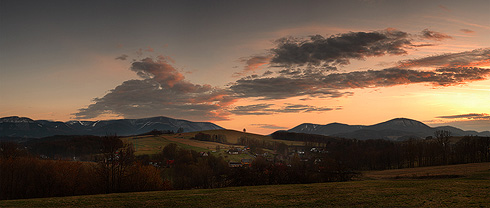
x,y
395,129
15,126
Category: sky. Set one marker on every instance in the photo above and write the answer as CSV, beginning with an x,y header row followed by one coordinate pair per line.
x,y
259,65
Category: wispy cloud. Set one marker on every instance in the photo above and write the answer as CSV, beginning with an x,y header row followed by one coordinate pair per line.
x,y
472,116
467,31
267,109
444,8
433,35
149,49
474,58
269,126
122,57
470,121
462,22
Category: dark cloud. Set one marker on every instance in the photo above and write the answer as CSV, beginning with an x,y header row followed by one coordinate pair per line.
x,y
467,31
423,45
335,84
319,51
267,73
266,109
474,116
162,92
432,35
468,58
122,57
269,126
282,87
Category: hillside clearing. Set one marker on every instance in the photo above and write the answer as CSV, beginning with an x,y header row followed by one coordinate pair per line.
x,y
150,145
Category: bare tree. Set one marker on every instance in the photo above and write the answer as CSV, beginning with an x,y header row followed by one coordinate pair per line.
x,y
442,139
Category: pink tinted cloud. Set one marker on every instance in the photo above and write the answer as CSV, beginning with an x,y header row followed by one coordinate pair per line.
x,y
163,91
253,63
444,8
467,31
159,70
149,49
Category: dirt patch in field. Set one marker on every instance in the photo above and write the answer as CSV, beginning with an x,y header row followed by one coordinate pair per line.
x,y
429,172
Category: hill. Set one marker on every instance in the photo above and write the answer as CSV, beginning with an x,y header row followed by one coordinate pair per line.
x,y
395,129
149,144
25,127
469,191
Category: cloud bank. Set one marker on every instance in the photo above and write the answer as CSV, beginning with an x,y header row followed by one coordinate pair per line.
x,y
296,67
163,91
333,85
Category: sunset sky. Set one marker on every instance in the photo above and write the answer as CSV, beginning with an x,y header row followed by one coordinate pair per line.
x,y
259,65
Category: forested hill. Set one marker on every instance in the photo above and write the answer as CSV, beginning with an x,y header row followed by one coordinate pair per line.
x,y
395,129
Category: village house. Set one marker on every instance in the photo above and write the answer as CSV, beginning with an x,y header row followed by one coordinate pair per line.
x,y
247,162
234,151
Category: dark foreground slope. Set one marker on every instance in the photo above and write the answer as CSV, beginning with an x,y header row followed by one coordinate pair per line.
x,y
469,191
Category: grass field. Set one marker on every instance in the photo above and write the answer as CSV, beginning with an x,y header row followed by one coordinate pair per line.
x,y
473,190
149,145
154,144
461,170
232,136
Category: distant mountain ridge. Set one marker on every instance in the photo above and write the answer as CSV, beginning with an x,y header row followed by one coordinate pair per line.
x,y
15,126
395,129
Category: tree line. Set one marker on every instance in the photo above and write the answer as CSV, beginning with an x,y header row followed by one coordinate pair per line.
x,y
385,154
25,175
186,169
220,138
